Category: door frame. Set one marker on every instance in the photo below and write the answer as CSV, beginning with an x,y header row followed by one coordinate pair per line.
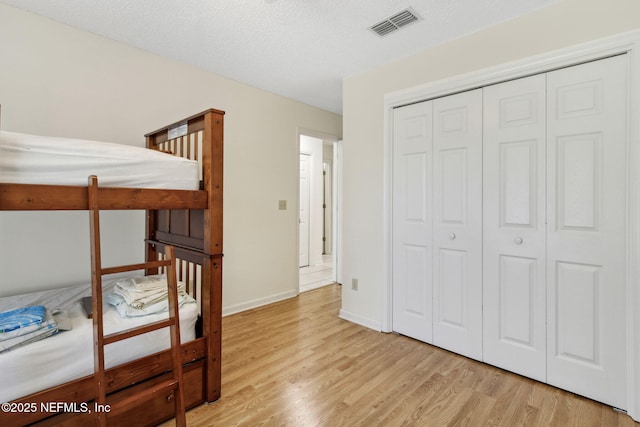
x,y
625,43
337,197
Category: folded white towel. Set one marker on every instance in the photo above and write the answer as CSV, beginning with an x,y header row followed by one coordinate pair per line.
x,y
140,292
140,296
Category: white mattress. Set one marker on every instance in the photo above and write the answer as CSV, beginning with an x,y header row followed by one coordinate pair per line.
x,y
32,159
68,355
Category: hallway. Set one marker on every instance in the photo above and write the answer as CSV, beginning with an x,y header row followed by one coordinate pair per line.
x,y
316,276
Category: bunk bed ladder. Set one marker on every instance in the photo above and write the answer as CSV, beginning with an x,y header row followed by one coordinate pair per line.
x,y
103,407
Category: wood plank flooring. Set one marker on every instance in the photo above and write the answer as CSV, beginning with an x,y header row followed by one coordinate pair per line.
x,y
295,363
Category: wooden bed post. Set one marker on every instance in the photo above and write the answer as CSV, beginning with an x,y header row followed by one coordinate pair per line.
x,y
212,324
213,180
212,308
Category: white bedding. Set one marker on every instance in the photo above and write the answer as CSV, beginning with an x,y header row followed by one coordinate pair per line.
x,y
33,159
69,354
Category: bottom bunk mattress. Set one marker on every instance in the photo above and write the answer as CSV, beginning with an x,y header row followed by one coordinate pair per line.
x,y
68,355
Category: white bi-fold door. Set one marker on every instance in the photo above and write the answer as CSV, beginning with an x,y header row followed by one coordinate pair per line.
x,y
412,221
552,244
514,215
554,228
586,230
457,223
437,225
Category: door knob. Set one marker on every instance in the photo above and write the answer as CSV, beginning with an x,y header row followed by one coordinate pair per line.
x,y
518,240
452,236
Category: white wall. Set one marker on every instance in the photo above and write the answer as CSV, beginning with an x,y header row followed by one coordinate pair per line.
x,y
56,80
564,24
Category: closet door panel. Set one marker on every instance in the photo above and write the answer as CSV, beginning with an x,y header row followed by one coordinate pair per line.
x,y
457,233
453,288
586,256
412,221
514,226
453,170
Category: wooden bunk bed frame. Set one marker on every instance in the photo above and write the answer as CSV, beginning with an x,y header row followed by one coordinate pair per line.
x,y
191,222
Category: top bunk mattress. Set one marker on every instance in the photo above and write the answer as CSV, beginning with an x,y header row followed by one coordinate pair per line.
x,y
34,159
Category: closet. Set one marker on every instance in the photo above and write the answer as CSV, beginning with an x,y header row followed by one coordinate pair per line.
x,y
509,216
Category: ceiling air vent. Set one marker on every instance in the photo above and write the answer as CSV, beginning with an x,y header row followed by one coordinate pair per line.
x,y
395,22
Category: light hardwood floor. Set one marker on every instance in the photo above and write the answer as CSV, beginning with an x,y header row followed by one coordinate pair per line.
x,y
295,363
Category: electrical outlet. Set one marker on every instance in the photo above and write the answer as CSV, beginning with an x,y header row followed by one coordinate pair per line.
x,y
282,205
354,284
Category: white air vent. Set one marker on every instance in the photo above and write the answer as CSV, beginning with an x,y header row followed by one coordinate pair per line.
x,y
395,22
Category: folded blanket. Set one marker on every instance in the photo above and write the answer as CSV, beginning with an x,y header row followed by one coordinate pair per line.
x,y
18,332
21,317
44,330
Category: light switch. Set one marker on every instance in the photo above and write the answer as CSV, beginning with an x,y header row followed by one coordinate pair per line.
x,y
282,205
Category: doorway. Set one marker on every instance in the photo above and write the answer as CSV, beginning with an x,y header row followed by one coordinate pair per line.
x,y
318,219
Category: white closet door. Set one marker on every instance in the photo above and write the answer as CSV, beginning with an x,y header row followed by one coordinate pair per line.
x,y
457,232
586,231
412,221
514,226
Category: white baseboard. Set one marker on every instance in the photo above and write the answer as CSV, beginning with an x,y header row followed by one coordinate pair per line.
x,y
363,321
237,308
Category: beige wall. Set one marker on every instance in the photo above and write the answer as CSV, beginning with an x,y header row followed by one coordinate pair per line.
x,y
56,80
567,23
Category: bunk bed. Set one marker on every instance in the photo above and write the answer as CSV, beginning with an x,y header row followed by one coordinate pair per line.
x,y
188,220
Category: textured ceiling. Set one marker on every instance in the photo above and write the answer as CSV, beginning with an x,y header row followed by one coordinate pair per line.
x,y
301,49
